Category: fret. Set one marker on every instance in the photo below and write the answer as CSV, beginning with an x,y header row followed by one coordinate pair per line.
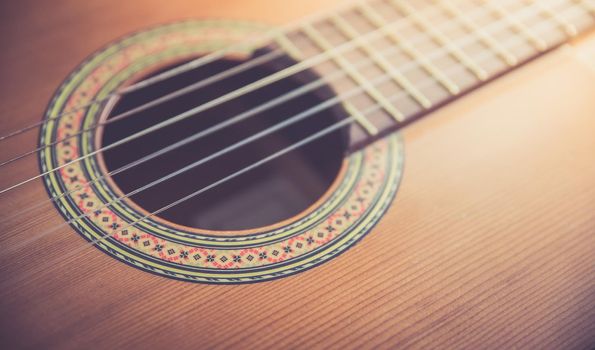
x,y
569,28
441,39
360,118
411,51
439,66
380,60
487,39
352,72
517,25
428,51
286,44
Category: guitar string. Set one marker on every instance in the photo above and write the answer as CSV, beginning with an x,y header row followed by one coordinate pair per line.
x,y
222,75
218,77
252,112
130,194
293,119
126,90
286,122
225,74
325,131
165,98
311,138
246,44
242,116
298,67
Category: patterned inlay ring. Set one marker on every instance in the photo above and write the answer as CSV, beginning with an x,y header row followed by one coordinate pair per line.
x,y
363,192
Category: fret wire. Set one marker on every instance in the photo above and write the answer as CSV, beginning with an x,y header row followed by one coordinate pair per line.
x,y
353,73
488,39
411,51
519,26
441,39
360,118
380,60
288,46
569,28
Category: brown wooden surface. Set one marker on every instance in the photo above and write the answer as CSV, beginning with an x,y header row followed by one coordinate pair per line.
x,y
489,244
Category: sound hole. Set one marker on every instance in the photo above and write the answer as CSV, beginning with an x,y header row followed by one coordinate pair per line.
x,y
266,195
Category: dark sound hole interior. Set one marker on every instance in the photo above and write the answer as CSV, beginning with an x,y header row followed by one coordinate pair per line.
x,y
266,195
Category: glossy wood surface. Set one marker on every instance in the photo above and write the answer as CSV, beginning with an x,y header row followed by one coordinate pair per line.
x,y
489,244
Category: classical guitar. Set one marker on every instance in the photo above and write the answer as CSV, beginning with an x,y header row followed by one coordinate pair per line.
x,y
307,174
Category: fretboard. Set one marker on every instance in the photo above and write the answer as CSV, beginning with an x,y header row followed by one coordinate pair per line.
x,y
392,61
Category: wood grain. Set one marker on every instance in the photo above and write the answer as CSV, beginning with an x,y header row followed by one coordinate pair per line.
x,y
489,243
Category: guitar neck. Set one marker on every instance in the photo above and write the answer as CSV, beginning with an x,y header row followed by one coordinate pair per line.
x,y
393,61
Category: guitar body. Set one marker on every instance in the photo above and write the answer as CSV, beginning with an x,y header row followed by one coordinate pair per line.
x,y
488,243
